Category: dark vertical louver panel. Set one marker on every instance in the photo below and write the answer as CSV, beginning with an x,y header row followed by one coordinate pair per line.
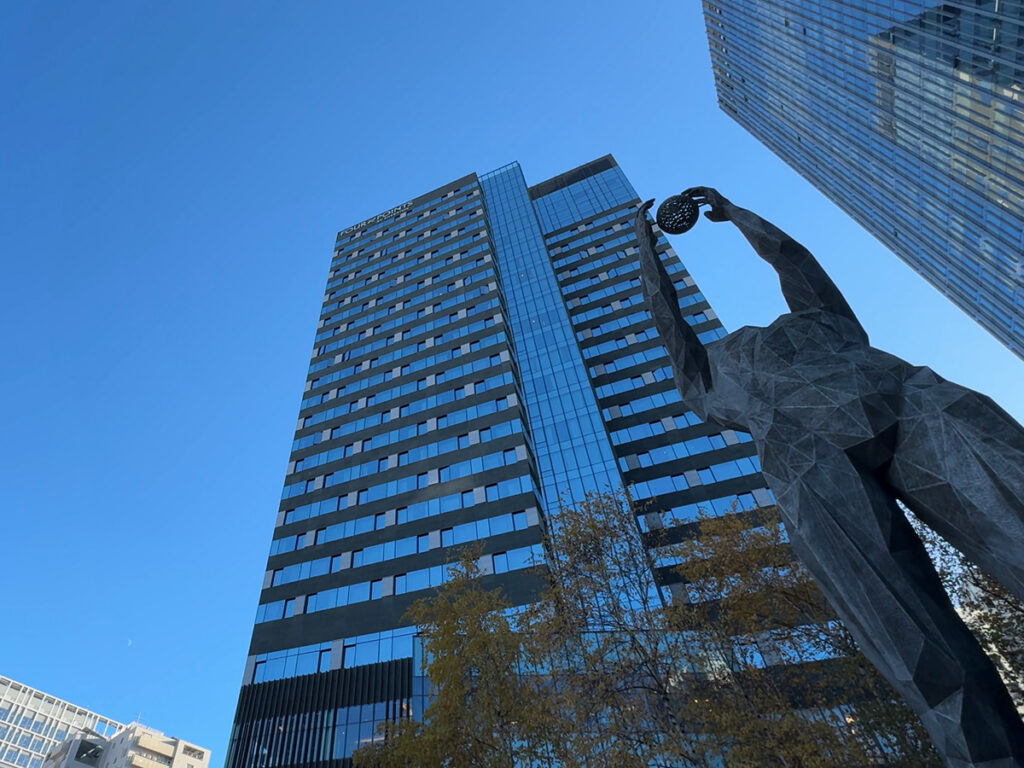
x,y
290,723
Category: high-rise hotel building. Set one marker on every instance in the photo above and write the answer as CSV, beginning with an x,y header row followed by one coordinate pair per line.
x,y
483,351
908,115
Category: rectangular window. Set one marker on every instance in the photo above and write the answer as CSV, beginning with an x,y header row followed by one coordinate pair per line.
x,y
406,546
416,580
358,593
348,660
500,524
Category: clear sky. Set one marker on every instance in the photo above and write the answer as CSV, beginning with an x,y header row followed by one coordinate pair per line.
x,y
173,175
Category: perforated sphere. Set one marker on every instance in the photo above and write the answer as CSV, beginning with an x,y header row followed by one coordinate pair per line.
x,y
677,214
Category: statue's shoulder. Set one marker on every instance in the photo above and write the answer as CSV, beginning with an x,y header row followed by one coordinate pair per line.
x,y
735,341
747,337
743,332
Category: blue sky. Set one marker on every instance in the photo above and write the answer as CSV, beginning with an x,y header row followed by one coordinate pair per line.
x,y
173,177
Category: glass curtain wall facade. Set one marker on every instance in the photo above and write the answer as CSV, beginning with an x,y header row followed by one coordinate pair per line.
x,y
33,723
482,355
908,115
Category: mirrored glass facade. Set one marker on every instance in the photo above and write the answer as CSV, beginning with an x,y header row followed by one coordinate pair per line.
x,y
905,113
483,355
33,723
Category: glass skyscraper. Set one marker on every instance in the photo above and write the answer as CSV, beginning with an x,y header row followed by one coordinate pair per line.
x,y
483,352
907,114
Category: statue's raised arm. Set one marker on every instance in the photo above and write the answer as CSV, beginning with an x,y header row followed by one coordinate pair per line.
x,y
686,352
805,285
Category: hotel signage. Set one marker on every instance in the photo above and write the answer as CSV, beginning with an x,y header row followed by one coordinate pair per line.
x,y
378,218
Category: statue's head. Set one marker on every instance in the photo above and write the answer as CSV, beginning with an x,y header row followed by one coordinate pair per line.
x,y
677,214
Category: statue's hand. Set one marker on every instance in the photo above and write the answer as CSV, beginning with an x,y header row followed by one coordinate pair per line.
x,y
641,225
712,197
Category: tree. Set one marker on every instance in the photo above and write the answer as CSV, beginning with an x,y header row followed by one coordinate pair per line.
x,y
698,646
786,683
484,711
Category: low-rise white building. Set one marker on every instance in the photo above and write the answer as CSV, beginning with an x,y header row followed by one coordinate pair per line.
x,y
134,746
33,723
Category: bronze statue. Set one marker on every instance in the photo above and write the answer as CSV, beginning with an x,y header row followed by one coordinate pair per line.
x,y
843,431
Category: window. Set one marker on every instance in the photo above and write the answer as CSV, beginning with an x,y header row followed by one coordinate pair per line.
x,y
358,593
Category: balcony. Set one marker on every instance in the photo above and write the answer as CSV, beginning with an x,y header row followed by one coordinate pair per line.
x,y
151,743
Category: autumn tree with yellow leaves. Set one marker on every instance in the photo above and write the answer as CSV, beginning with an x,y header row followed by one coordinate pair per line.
x,y
697,646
